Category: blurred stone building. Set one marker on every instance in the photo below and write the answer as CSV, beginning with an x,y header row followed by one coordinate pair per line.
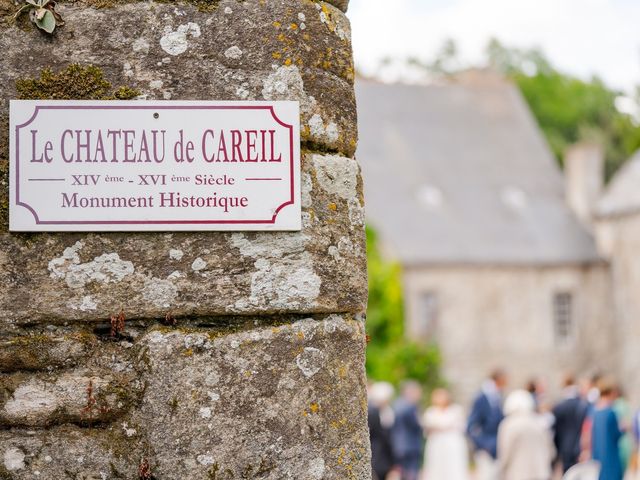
x,y
506,261
615,217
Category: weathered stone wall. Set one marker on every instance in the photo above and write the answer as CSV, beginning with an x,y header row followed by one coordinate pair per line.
x,y
242,354
503,316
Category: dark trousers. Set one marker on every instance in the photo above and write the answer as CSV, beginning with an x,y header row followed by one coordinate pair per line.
x,y
568,461
409,468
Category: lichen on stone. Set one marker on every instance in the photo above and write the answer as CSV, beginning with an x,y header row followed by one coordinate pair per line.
x,y
76,82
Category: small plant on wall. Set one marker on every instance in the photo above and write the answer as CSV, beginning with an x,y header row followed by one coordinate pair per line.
x,y
42,13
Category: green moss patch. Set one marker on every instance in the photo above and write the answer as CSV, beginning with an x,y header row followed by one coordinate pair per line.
x,y
76,82
203,5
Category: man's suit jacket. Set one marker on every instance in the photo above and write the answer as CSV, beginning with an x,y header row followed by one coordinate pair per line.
x,y
483,423
569,418
381,449
406,434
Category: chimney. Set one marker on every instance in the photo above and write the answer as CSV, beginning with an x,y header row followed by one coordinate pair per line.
x,y
584,178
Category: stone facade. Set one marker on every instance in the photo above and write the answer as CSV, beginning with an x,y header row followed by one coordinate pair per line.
x,y
501,268
501,316
619,236
190,355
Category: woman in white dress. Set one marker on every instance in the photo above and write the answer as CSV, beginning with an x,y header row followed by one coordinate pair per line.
x,y
446,453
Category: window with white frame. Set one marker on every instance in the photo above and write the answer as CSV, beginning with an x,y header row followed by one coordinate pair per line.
x,y
563,320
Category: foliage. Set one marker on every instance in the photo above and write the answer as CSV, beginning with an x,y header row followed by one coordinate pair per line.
x,y
42,13
567,108
76,82
391,356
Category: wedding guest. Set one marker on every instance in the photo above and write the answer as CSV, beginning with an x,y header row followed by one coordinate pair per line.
x,y
525,444
482,425
381,419
406,435
606,434
569,415
446,451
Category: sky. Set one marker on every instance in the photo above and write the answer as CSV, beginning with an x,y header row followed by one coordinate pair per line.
x,y
581,37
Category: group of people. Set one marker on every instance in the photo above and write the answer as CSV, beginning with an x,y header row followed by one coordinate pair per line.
x,y
519,436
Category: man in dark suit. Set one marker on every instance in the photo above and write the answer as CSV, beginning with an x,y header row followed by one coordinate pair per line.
x,y
406,435
381,419
569,415
482,427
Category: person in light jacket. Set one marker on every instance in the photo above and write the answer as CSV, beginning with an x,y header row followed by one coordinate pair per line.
x,y
525,443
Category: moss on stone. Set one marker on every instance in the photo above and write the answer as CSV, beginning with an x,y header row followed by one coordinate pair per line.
x,y
37,351
125,396
203,5
4,474
8,8
76,82
126,93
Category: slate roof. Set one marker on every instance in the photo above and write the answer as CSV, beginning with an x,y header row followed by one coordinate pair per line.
x,y
622,195
460,174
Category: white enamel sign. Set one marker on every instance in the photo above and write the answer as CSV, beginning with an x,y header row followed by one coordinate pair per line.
x,y
141,165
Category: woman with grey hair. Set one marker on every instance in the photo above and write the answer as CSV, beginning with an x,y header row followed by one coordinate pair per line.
x,y
525,444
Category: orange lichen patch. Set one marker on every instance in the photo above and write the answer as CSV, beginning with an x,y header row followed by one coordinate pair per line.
x,y
339,423
332,206
276,55
188,352
288,62
293,26
277,24
314,408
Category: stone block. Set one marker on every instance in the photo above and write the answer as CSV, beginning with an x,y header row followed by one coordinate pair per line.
x,y
83,397
251,50
273,402
54,278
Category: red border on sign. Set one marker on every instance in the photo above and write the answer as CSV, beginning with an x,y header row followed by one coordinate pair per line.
x,y
271,221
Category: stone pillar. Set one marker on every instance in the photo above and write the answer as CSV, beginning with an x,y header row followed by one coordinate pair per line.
x,y
189,355
584,179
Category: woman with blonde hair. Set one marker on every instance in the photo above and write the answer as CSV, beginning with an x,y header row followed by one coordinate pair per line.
x,y
446,454
525,444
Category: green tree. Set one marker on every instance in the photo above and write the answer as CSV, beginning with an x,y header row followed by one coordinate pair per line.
x,y
391,356
569,109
